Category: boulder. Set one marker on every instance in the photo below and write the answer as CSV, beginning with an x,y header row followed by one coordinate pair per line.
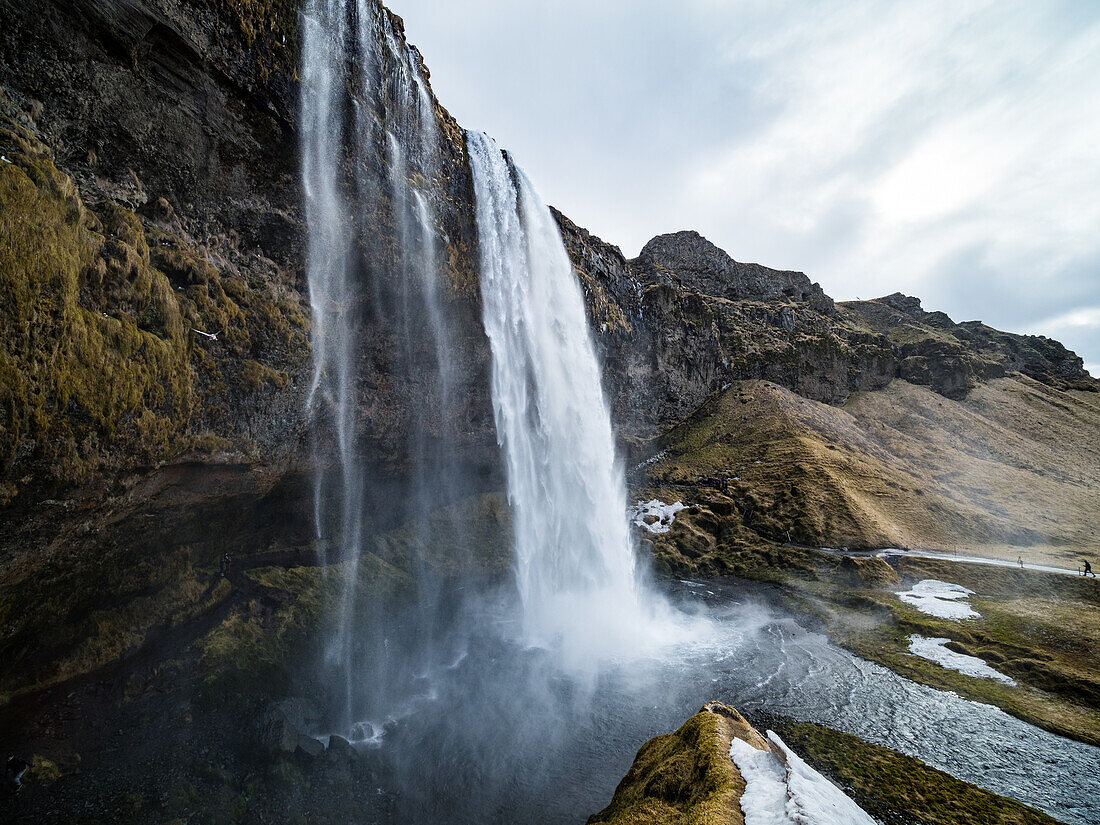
x,y
341,750
310,746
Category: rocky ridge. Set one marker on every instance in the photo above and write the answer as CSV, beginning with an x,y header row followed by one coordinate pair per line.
x,y
684,319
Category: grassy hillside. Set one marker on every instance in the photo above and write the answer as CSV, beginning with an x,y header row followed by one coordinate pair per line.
x,y
1012,468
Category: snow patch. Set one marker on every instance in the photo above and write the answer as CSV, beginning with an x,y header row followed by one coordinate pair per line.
x,y
764,801
934,651
662,515
941,599
781,789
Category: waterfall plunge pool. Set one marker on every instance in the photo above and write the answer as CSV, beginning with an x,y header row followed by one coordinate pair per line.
x,y
505,733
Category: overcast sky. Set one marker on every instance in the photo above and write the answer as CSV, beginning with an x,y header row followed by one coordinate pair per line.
x,y
949,150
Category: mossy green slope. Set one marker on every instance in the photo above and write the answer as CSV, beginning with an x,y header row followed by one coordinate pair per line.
x,y
73,376
99,365
900,789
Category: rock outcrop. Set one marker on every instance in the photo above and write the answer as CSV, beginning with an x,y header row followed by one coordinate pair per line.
x,y
702,267
686,776
689,777
683,319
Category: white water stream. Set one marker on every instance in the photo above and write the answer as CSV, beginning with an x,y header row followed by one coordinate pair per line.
x,y
574,556
370,166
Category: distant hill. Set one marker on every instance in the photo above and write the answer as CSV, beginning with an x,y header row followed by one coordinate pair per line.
x,y
864,423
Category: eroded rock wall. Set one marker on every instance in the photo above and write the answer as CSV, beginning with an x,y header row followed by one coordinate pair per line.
x,y
684,320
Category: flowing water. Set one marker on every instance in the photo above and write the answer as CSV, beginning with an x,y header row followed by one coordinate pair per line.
x,y
370,166
527,703
580,591
509,736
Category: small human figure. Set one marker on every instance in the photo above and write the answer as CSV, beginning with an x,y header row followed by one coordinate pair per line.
x,y
15,768
1088,569
1021,561
226,565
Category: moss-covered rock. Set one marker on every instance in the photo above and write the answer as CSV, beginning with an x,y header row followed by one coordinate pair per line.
x,y
684,777
94,350
101,362
688,778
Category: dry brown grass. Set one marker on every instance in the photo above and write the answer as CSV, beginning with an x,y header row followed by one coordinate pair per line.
x,y
1013,469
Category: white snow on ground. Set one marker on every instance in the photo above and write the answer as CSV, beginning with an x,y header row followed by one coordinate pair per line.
x,y
665,514
934,650
781,789
942,599
764,801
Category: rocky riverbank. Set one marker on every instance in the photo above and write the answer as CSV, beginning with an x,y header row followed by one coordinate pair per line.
x,y
690,776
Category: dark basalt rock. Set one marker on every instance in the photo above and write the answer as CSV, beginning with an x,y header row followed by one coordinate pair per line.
x,y
684,319
701,266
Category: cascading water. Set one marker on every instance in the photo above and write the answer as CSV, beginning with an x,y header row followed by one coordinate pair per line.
x,y
370,149
575,564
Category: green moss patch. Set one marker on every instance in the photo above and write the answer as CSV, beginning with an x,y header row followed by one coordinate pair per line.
x,y
683,777
100,366
93,349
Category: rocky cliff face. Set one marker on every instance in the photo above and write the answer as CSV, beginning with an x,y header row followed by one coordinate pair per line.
x,y
155,145
683,320
696,263
155,142
155,316
155,323
152,145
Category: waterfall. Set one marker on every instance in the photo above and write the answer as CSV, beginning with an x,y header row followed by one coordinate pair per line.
x,y
387,389
370,172
574,556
